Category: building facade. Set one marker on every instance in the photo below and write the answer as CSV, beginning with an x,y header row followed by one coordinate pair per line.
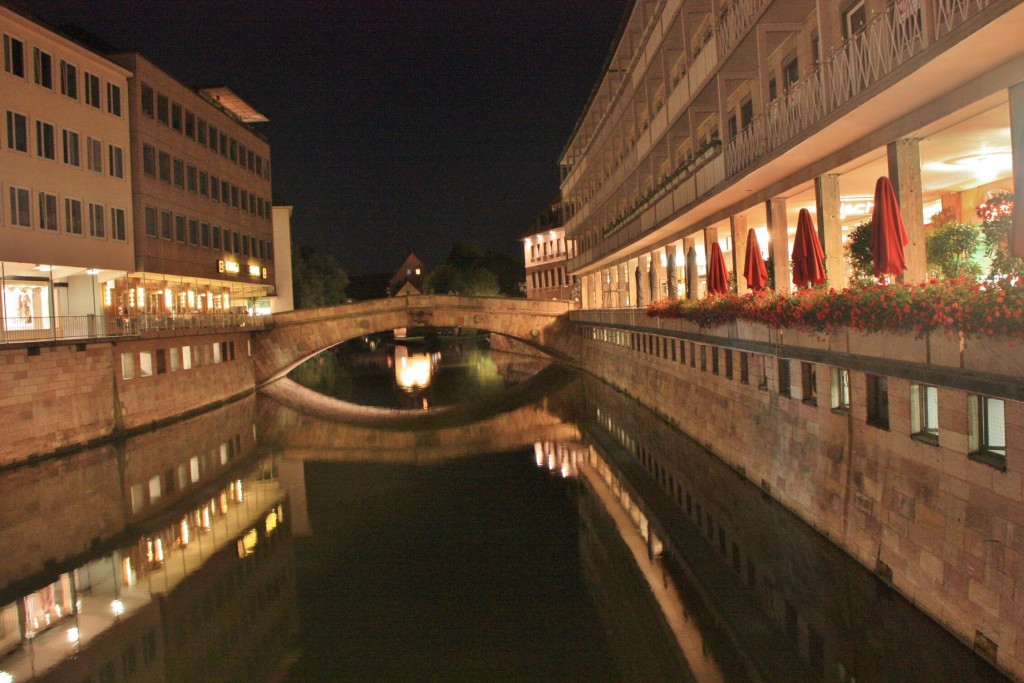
x,y
712,119
546,253
201,189
66,217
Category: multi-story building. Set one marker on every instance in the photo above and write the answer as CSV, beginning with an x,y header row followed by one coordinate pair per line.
x,y
712,119
546,252
201,187
65,190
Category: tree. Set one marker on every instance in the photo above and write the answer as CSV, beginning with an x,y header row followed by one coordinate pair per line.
x,y
470,272
316,278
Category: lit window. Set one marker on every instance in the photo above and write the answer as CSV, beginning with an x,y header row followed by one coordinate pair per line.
x,y
840,390
924,413
987,430
145,364
127,366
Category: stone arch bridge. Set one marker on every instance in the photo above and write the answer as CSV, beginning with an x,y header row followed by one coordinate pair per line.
x,y
298,335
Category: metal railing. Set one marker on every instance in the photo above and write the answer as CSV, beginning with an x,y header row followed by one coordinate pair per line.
x,y
951,13
735,21
21,329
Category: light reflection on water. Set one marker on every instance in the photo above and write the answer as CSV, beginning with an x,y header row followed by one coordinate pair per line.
x,y
544,542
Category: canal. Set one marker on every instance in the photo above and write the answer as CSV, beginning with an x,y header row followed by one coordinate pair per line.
x,y
433,509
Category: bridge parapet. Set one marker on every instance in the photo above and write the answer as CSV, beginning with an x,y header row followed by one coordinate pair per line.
x,y
297,335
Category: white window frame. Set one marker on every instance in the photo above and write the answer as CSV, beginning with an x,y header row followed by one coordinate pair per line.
x,y
97,222
46,201
17,122
20,204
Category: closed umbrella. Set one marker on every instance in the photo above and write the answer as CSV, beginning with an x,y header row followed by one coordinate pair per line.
x,y
808,256
639,288
653,273
718,275
673,278
888,236
691,273
754,269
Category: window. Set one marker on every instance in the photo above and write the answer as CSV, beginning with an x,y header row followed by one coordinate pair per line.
x,y
117,225
201,132
791,71
190,125
68,80
924,413
235,243
149,160
17,132
703,358
186,357
146,95
784,385
14,56
166,228
116,165
234,196
21,214
179,228
808,384
48,211
151,229
728,363
128,372
176,116
71,148
986,435
190,176
204,184
232,150
878,401
744,367
204,235
714,359
92,89
193,232
96,226
164,166
179,173
225,192
43,63
223,138
46,140
145,364
216,237
94,154
163,109
113,99
213,138
250,160
175,359
214,188
73,216
762,368
855,19
746,113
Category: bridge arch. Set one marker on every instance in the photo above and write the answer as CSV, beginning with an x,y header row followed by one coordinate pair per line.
x,y
298,335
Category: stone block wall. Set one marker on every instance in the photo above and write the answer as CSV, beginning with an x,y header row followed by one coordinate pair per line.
x,y
945,530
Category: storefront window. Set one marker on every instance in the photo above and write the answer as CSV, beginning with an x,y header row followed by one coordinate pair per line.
x,y
26,306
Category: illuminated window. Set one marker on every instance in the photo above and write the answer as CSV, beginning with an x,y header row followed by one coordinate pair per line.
x,y
128,366
986,435
175,354
155,488
924,413
186,357
840,390
145,364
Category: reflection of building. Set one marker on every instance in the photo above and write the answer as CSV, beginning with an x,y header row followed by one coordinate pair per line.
x,y
546,252
413,368
201,185
64,175
707,123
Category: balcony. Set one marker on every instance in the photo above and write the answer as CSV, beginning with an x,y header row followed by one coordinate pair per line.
x,y
83,327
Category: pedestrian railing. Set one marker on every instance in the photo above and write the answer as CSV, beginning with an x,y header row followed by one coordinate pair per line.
x,y
28,329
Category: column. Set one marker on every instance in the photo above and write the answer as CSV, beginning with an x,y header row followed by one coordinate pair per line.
x,y
689,248
905,174
778,242
738,229
830,229
624,299
671,272
1017,150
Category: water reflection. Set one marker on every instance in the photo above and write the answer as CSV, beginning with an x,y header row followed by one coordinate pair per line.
x,y
144,560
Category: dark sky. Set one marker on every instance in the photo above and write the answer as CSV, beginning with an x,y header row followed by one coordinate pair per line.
x,y
395,126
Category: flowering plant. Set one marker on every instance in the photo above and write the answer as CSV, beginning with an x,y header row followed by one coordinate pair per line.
x,y
955,305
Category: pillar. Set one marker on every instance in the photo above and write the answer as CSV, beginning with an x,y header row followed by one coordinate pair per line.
x,y
692,288
905,174
830,228
738,229
623,275
778,242
1017,152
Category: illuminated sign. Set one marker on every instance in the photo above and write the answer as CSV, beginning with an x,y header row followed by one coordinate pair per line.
x,y
232,267
254,271
264,273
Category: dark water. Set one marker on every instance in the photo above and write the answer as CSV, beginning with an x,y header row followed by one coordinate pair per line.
x,y
544,541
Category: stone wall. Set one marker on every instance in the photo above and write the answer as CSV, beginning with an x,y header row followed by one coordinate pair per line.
x,y
63,395
945,530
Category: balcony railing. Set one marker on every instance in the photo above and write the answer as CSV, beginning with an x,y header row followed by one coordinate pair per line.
x,y
61,327
735,21
951,13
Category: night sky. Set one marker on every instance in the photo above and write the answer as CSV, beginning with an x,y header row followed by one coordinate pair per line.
x,y
395,126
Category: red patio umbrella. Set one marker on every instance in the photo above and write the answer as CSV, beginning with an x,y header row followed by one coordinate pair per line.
x,y
808,256
718,275
754,269
888,236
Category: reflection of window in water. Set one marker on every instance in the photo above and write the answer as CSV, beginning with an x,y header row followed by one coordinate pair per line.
x,y
26,307
412,370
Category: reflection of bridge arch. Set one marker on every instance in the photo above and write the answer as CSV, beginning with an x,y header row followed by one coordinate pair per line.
x,y
309,426
298,335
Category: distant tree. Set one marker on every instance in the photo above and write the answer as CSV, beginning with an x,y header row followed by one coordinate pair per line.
x,y
471,272
316,279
